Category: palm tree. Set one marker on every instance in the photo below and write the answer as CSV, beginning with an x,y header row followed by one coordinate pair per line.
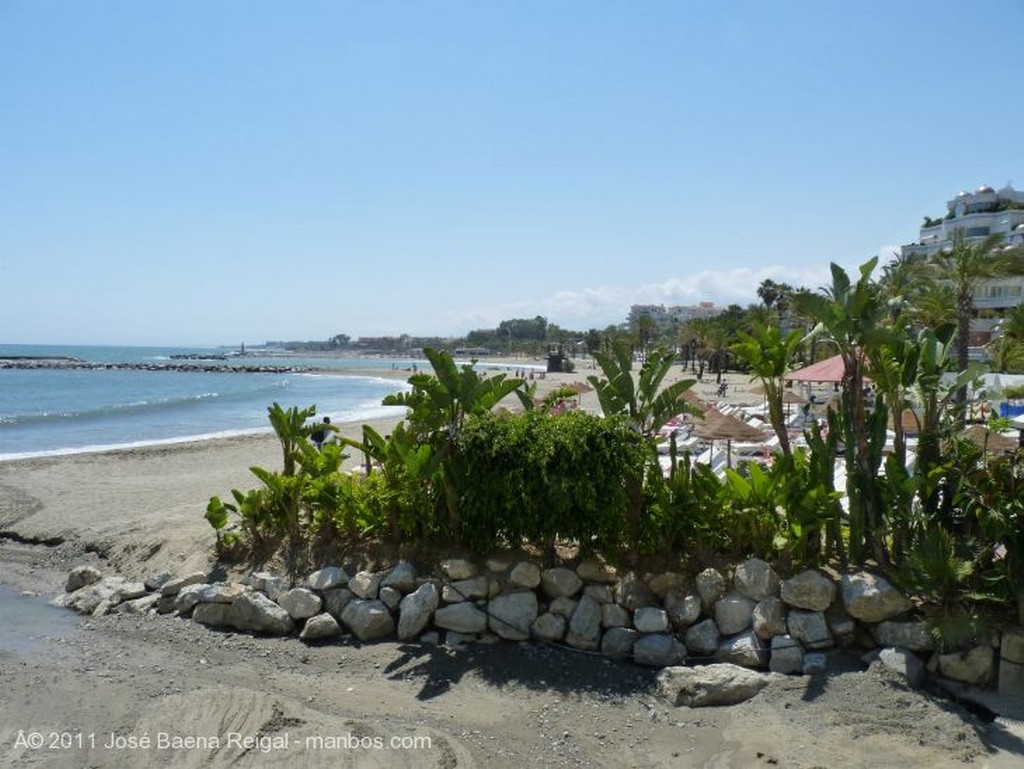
x,y
646,331
646,404
965,265
933,305
699,330
717,340
852,316
902,278
893,371
1007,349
775,296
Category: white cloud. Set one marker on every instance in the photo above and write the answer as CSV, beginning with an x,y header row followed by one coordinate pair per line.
x,y
600,306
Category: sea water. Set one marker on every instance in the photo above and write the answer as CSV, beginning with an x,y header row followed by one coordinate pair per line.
x,y
30,622
59,411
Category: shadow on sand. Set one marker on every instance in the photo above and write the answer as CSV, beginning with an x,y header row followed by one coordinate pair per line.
x,y
534,666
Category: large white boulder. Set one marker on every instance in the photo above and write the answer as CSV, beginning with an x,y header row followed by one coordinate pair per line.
x,y
871,598
734,613
658,650
80,576
255,612
755,579
721,684
560,582
809,590
462,617
416,610
300,603
368,619
711,586
585,625
512,615
320,627
327,578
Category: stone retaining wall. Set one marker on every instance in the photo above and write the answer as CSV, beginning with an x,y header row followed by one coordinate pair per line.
x,y
751,618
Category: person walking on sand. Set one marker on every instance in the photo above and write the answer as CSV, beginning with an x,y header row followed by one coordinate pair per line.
x,y
319,436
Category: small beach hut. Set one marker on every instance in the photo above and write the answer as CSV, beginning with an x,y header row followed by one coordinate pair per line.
x,y
830,370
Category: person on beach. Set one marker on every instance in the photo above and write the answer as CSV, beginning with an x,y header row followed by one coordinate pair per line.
x,y
319,436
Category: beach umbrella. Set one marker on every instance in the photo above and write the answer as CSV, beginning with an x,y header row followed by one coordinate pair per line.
x,y
908,422
788,396
693,403
990,440
718,426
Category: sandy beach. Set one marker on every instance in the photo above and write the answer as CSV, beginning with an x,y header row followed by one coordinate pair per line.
x,y
125,691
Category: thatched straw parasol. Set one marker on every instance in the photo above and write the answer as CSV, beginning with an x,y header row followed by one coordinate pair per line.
x,y
788,396
908,423
718,426
692,397
991,441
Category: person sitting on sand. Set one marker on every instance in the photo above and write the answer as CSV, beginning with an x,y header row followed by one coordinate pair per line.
x,y
319,436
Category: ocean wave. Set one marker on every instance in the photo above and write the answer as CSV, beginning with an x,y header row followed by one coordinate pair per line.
x,y
104,447
101,412
354,415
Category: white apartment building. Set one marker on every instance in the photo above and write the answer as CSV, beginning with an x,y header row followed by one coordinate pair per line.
x,y
664,317
979,214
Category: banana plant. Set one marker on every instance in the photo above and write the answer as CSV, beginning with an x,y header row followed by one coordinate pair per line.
x,y
936,387
644,401
293,429
770,355
893,370
853,315
440,402
283,500
252,512
438,405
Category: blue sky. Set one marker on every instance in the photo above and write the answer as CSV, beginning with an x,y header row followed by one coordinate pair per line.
x,y
211,172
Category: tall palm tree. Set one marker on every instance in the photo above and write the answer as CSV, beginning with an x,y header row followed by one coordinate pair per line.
x,y
699,330
933,305
686,339
775,296
902,278
718,342
852,315
965,265
646,331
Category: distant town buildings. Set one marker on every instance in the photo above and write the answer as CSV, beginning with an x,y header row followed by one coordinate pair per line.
x,y
667,317
979,214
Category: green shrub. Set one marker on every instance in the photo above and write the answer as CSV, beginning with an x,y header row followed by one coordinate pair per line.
x,y
532,478
1013,392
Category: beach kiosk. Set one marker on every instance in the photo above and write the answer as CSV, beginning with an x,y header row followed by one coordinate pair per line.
x,y
555,358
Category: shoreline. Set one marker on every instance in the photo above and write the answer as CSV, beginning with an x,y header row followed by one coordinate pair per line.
x,y
139,511
588,401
